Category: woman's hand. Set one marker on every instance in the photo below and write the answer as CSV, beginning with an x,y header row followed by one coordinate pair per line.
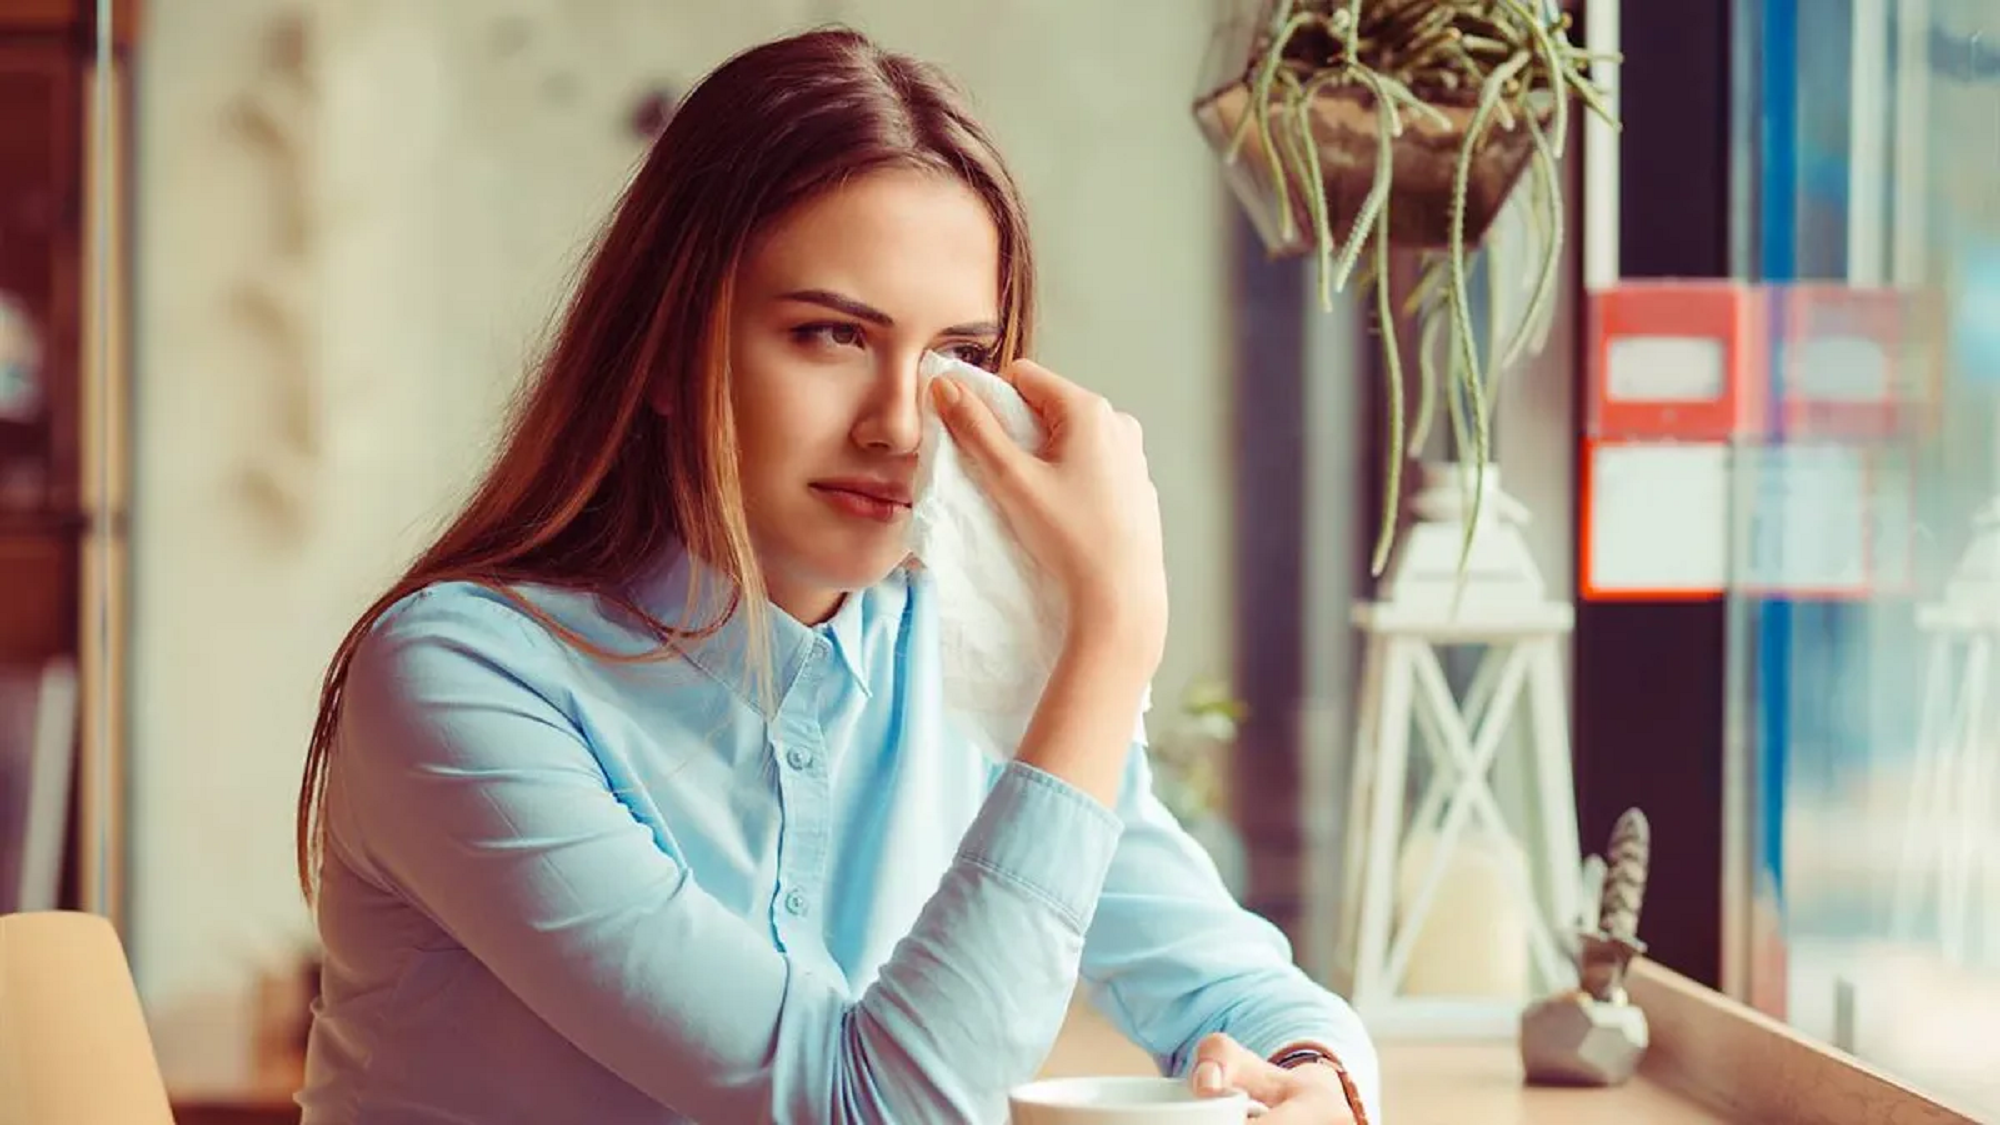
x,y
1085,509
1308,1095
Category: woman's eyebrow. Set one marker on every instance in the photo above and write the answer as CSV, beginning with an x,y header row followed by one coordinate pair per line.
x,y
861,310
827,298
974,329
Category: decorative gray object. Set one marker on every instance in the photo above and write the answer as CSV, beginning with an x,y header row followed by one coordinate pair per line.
x,y
1594,1035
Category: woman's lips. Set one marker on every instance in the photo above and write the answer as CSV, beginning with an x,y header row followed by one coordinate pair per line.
x,y
863,503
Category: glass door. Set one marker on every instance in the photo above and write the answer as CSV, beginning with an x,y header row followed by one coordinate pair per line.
x,y
1864,674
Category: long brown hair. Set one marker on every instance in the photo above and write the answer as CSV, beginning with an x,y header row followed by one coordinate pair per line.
x,y
591,481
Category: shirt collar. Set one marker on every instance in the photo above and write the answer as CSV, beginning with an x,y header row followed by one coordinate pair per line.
x,y
845,628
684,592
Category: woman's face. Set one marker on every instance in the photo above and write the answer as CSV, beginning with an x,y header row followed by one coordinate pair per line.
x,y
835,304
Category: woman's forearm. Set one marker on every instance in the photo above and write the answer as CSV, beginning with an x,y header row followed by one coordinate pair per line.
x,y
1082,729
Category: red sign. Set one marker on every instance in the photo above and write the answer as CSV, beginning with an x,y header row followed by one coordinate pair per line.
x,y
1677,359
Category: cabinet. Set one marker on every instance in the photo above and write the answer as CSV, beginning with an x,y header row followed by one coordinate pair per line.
x,y
41,306
60,389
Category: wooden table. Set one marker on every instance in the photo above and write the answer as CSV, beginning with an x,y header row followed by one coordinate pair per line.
x,y
1425,1083
1712,1061
1480,1084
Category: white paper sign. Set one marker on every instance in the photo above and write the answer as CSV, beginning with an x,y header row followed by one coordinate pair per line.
x,y
1666,369
1659,518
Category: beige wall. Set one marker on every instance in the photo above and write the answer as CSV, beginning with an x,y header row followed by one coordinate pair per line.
x,y
342,264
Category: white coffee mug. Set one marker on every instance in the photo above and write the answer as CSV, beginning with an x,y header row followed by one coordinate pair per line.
x,y
1122,1101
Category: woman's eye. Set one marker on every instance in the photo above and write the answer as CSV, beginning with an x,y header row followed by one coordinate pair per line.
x,y
839,335
978,355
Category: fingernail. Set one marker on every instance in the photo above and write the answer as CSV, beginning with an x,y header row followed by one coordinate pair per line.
x,y
945,391
1208,1078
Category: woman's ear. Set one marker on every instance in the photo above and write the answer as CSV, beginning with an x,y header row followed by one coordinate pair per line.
x,y
660,397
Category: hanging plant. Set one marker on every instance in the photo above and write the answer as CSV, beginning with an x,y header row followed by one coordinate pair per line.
x,y
1350,128
1189,759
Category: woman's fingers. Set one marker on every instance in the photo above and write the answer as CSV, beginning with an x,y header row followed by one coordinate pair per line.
x,y
1223,1064
978,432
1053,398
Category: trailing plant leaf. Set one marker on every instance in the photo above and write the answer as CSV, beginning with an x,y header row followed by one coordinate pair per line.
x,y
1389,128
1393,362
1317,196
1433,327
1461,312
1536,318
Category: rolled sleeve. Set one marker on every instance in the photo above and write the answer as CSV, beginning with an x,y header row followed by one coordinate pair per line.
x,y
1027,810
1172,957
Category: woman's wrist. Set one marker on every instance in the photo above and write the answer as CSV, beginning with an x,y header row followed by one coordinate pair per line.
x,y
1114,640
1301,1055
1082,728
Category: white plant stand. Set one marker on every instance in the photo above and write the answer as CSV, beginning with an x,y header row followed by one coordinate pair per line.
x,y
1951,810
1502,608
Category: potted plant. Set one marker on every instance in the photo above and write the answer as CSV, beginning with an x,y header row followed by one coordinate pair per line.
x,y
1190,766
1351,128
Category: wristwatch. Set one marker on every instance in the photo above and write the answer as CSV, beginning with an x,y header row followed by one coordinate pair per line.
x,y
1304,1054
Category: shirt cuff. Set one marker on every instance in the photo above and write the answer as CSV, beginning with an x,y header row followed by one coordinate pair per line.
x,y
1047,836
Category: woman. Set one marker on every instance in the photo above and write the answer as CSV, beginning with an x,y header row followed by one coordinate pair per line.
x,y
632,801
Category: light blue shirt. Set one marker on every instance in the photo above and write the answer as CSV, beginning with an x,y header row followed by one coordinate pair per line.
x,y
564,889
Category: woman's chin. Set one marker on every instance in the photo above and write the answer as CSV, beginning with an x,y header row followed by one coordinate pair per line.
x,y
860,569
860,577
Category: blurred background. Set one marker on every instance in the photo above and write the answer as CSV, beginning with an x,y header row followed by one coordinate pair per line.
x,y
270,269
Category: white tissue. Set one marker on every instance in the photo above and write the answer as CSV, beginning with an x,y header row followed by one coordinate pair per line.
x,y
1000,617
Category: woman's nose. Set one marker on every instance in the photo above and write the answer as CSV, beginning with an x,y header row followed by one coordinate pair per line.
x,y
891,420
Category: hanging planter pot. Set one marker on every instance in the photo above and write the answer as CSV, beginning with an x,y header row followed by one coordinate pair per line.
x,y
1346,125
1351,128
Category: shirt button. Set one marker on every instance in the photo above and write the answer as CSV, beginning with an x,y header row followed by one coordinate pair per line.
x,y
795,902
799,758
